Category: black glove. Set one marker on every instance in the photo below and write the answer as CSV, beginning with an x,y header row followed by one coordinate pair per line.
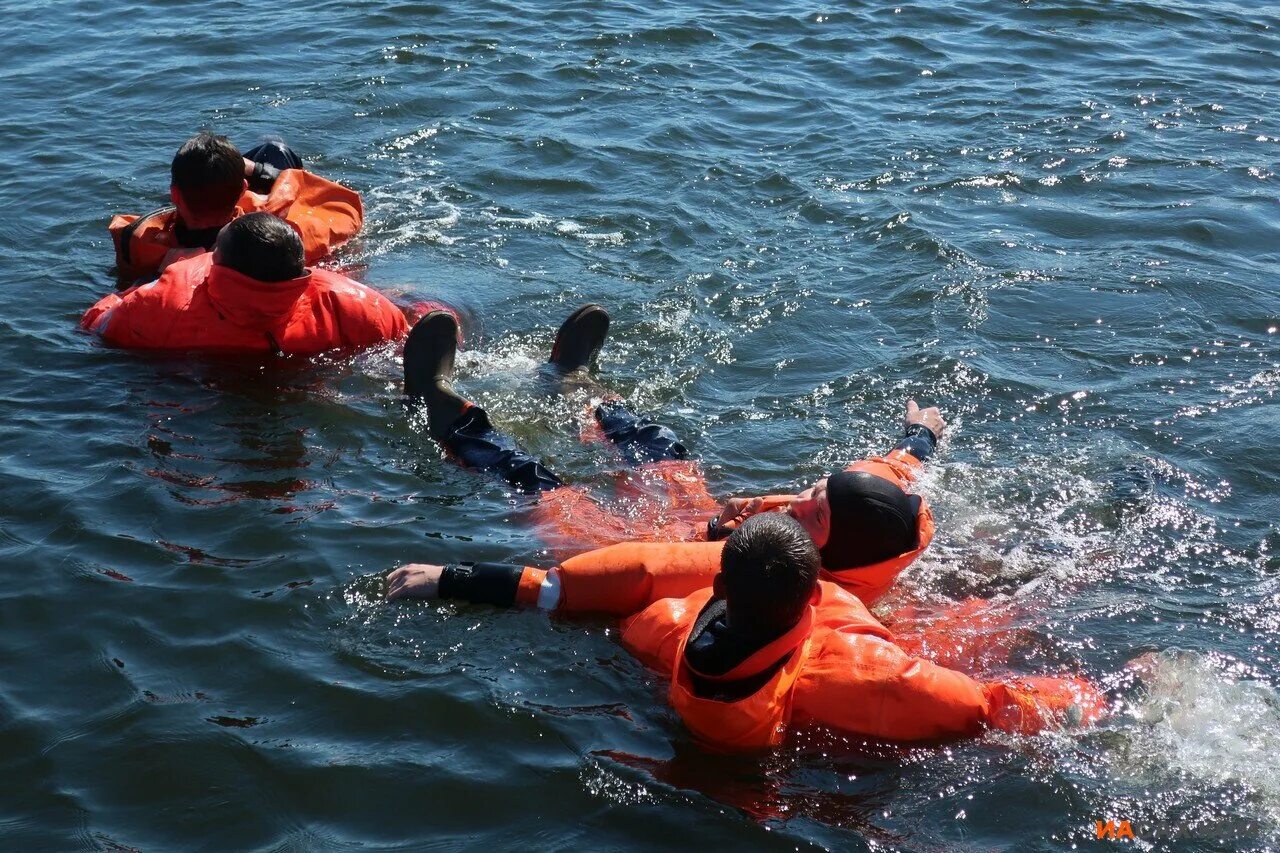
x,y
263,178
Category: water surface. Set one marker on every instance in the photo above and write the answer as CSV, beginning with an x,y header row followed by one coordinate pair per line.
x,y
1057,219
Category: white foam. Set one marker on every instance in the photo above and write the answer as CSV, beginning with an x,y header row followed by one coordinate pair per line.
x,y
1210,718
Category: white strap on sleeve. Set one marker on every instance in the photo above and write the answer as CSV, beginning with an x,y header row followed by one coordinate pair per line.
x,y
549,592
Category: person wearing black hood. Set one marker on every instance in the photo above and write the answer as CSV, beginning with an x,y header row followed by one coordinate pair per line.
x,y
867,527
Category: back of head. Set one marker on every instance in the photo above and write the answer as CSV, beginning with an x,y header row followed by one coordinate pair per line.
x,y
872,520
768,570
262,246
209,172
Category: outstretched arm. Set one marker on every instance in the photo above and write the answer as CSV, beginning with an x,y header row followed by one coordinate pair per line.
x,y
869,686
923,428
325,213
135,318
617,581
1032,704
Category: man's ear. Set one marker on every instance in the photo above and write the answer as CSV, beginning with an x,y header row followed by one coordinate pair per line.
x,y
176,197
717,586
816,595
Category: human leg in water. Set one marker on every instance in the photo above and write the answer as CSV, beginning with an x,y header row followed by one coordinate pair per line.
x,y
462,427
578,342
662,497
272,156
274,152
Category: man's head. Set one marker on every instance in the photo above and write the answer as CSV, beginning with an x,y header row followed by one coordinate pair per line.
x,y
207,180
768,571
857,519
262,246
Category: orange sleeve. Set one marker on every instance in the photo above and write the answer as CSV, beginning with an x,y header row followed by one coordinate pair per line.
x,y
135,319
95,319
898,467
654,634
624,579
116,227
326,213
866,685
1035,703
372,319
529,586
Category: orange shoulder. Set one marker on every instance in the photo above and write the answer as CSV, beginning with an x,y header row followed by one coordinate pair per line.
x,y
365,316
863,684
654,634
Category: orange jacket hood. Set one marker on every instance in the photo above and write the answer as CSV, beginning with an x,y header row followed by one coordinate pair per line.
x,y
254,304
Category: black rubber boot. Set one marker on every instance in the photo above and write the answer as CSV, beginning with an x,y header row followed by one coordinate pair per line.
x,y
428,370
580,338
577,344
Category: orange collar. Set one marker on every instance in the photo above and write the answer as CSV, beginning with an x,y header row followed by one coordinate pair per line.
x,y
767,655
251,303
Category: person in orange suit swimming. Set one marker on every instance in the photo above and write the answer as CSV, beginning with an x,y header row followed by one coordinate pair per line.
x,y
865,524
212,184
767,650
253,295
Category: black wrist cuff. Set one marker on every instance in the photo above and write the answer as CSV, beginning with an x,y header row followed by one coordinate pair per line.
x,y
482,583
919,441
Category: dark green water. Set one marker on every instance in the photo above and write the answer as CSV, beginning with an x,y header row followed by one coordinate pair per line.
x,y
1057,219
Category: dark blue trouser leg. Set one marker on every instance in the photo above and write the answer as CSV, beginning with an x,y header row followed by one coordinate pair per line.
x,y
274,152
639,439
474,441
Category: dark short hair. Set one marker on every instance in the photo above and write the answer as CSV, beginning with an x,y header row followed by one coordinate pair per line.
x,y
768,570
262,246
209,172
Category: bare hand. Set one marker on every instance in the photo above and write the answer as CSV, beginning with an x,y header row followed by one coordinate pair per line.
x,y
930,417
249,166
415,580
735,507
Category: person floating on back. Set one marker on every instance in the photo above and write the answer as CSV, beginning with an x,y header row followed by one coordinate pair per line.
x,y
212,184
253,294
867,527
767,649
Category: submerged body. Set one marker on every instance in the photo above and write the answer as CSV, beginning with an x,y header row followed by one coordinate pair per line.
x,y
569,517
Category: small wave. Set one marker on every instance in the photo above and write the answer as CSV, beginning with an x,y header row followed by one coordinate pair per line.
x,y
400,143
563,227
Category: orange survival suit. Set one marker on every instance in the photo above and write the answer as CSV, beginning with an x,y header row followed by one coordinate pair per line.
x,y
570,516
197,305
837,669
325,214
